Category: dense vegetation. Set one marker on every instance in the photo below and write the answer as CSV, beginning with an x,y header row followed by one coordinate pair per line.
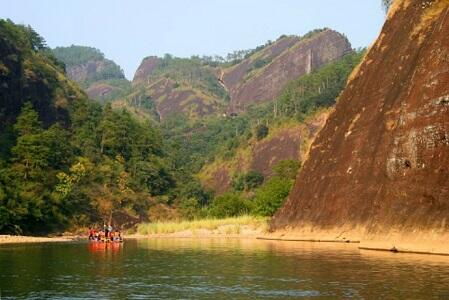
x,y
220,137
188,71
79,55
193,144
67,162
84,166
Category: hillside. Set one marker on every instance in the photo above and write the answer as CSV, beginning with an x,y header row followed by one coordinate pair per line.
x,y
378,170
28,72
67,162
292,120
200,87
289,141
157,151
180,85
101,78
262,76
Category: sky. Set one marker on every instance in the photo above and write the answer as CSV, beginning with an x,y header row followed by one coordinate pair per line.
x,y
126,31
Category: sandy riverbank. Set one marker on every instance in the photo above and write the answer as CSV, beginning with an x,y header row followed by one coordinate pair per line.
x,y
417,242
18,239
434,242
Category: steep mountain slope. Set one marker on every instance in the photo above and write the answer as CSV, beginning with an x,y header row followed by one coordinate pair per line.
x,y
179,85
232,76
290,141
262,76
200,87
65,161
379,168
102,78
28,72
293,120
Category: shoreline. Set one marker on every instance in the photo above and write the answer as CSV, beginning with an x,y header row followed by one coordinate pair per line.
x,y
24,239
395,240
374,244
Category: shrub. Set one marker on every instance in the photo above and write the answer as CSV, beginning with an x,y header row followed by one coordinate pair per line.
x,y
247,181
253,179
287,168
229,205
261,132
270,197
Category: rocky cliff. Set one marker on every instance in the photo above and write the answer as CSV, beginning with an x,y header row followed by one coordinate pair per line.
x,y
179,86
262,76
379,169
29,73
290,141
101,78
201,88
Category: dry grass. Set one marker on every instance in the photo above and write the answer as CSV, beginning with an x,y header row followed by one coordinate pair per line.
x,y
230,225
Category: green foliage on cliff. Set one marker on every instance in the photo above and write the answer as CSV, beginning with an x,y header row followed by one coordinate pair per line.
x,y
188,71
66,161
95,66
77,55
247,181
29,73
203,140
104,163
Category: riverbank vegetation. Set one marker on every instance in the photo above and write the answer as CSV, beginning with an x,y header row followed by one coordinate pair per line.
x,y
230,225
67,162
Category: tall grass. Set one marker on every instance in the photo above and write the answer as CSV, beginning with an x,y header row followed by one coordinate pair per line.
x,y
232,225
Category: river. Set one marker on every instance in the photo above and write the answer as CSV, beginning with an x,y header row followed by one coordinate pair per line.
x,y
217,269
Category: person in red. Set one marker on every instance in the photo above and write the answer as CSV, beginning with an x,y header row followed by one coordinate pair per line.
x,y
91,233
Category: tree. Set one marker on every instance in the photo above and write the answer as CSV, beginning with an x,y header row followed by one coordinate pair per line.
x,y
30,154
229,205
194,190
287,168
386,4
253,179
270,197
247,181
261,131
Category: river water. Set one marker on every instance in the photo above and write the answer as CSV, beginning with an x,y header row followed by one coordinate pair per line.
x,y
217,269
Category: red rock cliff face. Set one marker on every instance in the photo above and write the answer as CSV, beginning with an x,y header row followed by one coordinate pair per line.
x,y
145,69
291,142
292,58
382,159
233,76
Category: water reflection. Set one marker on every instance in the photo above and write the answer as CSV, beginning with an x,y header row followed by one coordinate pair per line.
x,y
218,269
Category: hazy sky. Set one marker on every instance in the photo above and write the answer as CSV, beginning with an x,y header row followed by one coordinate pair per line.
x,y
127,31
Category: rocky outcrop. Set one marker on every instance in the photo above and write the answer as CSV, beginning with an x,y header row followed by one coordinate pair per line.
x,y
172,98
28,75
259,78
180,85
101,90
287,142
231,77
145,69
282,62
380,166
101,78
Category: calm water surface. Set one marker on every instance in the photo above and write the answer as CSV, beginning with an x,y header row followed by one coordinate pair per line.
x,y
217,269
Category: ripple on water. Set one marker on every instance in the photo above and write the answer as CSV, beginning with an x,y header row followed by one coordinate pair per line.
x,y
209,269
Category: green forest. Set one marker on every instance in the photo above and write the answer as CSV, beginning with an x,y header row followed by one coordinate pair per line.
x,y
78,55
67,162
